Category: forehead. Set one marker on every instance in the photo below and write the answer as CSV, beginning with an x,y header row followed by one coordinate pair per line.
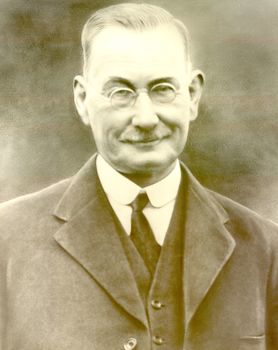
x,y
117,51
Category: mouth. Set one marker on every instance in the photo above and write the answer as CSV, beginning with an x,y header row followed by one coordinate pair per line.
x,y
145,141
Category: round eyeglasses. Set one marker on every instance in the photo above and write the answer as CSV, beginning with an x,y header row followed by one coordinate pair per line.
x,y
160,93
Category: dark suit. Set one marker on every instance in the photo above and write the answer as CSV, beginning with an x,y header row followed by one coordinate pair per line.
x,y
66,283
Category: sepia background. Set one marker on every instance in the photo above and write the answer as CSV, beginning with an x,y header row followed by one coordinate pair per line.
x,y
233,145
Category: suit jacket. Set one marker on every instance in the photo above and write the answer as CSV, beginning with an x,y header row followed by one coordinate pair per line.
x,y
66,283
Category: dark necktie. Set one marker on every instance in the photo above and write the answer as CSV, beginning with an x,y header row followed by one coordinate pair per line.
x,y
141,233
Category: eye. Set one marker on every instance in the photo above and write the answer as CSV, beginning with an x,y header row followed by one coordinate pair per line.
x,y
121,94
163,92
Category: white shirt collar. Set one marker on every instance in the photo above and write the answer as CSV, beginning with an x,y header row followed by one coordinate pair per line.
x,y
124,191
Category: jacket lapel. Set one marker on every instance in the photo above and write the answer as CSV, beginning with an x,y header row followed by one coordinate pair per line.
x,y
89,236
208,245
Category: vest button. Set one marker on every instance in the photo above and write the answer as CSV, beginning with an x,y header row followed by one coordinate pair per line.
x,y
156,304
158,340
130,344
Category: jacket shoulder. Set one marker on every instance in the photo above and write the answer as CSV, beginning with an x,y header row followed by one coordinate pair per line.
x,y
47,194
247,222
20,212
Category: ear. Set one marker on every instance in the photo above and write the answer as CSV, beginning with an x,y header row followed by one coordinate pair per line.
x,y
195,91
80,94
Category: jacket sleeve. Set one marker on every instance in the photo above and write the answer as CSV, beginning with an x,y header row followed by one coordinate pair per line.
x,y
3,299
272,331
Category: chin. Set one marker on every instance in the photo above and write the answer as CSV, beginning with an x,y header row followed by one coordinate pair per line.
x,y
146,166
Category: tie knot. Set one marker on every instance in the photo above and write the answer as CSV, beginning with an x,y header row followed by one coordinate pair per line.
x,y
140,202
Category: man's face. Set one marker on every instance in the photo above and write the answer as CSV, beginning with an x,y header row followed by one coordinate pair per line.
x,y
147,137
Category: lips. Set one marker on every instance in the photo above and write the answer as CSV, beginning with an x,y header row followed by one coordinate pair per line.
x,y
146,141
143,138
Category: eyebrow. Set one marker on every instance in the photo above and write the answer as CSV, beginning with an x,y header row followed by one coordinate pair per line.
x,y
170,80
122,81
117,80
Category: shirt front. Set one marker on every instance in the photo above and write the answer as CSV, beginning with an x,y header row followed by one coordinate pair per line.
x,y
121,192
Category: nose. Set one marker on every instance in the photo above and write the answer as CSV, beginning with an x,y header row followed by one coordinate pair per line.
x,y
144,115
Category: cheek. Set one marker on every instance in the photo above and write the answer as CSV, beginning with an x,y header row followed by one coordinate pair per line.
x,y
176,117
178,108
107,125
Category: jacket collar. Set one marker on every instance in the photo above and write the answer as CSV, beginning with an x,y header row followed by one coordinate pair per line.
x,y
89,235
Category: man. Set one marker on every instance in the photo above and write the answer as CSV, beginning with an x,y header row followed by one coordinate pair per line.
x,y
85,266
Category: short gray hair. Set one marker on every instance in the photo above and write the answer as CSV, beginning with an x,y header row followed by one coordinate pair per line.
x,y
131,16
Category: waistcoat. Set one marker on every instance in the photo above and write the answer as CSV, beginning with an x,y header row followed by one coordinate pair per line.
x,y
162,295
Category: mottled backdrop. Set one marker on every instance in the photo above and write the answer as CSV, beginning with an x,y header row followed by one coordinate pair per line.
x,y
233,145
